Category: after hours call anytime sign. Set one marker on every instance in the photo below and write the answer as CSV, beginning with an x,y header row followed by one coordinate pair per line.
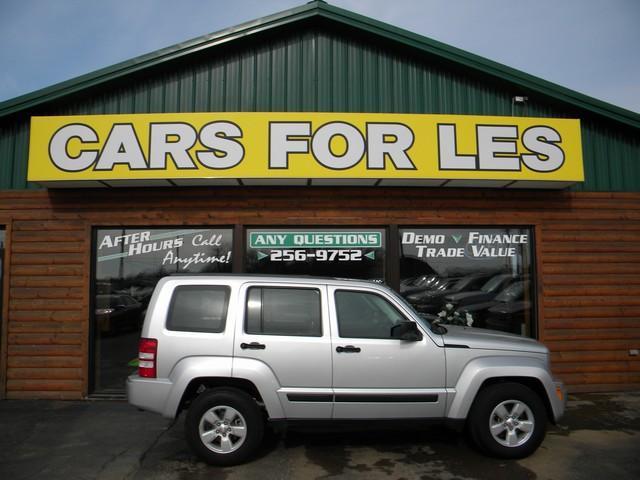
x,y
393,148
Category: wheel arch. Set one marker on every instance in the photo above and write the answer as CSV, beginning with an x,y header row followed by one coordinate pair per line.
x,y
486,371
196,374
198,385
532,383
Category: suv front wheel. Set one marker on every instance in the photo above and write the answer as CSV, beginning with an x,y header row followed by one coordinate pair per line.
x,y
507,420
224,426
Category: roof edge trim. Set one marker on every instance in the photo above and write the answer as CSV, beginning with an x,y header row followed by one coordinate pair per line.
x,y
485,65
154,58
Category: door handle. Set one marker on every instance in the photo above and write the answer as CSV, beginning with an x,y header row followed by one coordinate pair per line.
x,y
348,349
253,346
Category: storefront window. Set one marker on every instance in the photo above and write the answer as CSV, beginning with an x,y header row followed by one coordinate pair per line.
x,y
128,264
349,253
481,277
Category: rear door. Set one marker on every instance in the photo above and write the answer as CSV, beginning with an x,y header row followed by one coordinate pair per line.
x,y
286,327
376,376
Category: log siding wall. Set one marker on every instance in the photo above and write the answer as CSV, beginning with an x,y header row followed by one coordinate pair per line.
x,y
587,249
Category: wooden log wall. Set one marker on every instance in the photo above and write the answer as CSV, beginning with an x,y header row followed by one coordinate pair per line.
x,y
587,257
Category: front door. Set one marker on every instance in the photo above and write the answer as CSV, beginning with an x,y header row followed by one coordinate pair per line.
x,y
374,375
287,329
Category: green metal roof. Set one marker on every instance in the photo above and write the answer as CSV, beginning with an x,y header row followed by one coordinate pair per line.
x,y
323,10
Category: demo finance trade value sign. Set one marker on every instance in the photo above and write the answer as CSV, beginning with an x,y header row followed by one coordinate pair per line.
x,y
304,149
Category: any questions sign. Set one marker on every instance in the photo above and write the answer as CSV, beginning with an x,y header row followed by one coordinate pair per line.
x,y
293,148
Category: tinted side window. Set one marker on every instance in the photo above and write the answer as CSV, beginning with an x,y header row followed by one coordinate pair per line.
x,y
198,308
283,311
365,315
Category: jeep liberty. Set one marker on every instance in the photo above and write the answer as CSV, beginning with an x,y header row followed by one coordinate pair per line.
x,y
237,351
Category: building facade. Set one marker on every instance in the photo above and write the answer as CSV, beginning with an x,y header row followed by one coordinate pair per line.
x,y
558,260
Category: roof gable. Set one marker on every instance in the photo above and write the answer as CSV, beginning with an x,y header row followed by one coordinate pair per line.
x,y
319,10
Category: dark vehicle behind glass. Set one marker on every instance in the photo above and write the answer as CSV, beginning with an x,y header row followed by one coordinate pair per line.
x,y
506,311
486,293
419,283
430,301
118,313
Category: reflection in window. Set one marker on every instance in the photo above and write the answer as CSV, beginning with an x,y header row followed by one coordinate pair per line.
x,y
479,277
128,264
198,308
283,311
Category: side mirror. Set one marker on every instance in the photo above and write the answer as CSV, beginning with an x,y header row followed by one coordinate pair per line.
x,y
406,331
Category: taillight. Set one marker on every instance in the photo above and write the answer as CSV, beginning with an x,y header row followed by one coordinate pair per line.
x,y
147,357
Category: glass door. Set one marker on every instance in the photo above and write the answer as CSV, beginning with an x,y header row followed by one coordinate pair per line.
x,y
128,263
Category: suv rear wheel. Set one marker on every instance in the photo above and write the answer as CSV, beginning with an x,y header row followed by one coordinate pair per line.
x,y
224,426
507,420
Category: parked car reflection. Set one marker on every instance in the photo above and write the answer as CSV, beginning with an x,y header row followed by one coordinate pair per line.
x,y
418,284
487,292
505,312
117,313
510,314
430,300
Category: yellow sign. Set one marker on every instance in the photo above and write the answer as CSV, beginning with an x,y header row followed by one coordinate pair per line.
x,y
295,148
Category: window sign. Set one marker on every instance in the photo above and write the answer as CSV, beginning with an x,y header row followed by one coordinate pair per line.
x,y
478,277
349,253
128,264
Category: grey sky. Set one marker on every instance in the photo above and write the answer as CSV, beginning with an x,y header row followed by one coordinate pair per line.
x,y
591,46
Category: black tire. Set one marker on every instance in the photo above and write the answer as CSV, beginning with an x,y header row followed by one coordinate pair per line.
x,y
218,404
519,418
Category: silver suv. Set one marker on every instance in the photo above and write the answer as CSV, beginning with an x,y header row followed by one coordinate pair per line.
x,y
236,351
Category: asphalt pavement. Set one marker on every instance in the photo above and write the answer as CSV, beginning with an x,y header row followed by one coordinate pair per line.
x,y
599,438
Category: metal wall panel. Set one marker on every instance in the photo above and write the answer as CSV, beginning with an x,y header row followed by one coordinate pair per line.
x,y
317,70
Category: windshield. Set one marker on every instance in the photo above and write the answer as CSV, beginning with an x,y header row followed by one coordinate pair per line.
x,y
513,292
428,280
443,283
494,283
464,282
461,284
419,281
